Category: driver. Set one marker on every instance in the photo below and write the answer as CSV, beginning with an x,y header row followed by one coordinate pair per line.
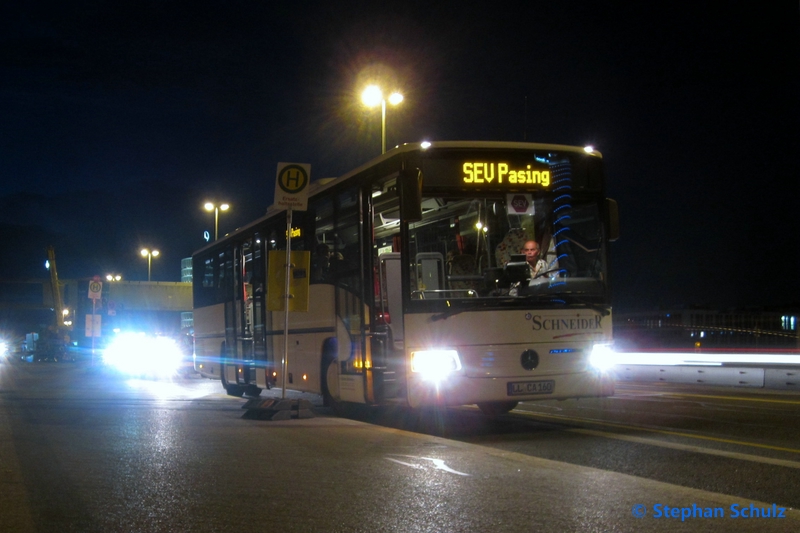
x,y
535,265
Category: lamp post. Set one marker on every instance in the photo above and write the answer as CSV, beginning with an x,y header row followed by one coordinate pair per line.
x,y
149,254
373,96
216,208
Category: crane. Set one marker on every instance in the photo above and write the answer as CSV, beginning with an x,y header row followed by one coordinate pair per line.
x,y
58,302
53,345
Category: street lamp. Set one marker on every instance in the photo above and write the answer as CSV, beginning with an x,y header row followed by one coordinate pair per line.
x,y
216,208
149,254
373,96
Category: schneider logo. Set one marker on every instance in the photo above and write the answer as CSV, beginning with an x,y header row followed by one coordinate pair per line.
x,y
540,323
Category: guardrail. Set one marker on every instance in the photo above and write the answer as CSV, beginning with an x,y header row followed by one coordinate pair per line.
x,y
781,378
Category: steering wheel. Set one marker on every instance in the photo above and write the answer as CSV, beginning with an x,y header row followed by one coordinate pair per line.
x,y
548,272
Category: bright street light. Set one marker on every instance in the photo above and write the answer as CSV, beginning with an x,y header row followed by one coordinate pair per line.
x,y
149,254
216,208
373,96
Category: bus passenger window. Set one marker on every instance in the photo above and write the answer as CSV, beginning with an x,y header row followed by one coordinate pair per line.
x,y
320,263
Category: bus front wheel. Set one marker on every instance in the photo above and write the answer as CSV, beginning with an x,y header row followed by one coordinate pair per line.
x,y
497,408
330,382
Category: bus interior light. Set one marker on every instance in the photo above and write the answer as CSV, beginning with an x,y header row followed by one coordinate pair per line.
x,y
435,364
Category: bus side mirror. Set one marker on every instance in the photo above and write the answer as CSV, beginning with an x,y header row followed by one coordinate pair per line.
x,y
410,194
612,212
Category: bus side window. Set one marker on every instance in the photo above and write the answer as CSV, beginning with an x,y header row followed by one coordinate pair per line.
x,y
430,278
320,263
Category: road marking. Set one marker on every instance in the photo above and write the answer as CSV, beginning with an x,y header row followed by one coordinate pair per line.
x,y
688,448
438,464
412,465
662,431
735,398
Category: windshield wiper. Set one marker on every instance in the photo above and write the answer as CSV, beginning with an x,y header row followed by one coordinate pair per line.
x,y
568,298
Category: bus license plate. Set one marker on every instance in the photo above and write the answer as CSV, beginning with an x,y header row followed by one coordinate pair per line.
x,y
519,388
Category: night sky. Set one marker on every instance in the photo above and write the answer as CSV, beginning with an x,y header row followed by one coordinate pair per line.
x,y
119,119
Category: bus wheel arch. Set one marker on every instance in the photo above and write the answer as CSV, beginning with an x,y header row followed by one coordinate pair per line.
x,y
329,373
231,389
252,390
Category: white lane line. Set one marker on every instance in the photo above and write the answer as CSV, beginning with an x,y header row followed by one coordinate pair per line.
x,y
412,465
687,447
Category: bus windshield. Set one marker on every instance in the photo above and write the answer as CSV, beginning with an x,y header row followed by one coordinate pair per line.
x,y
541,245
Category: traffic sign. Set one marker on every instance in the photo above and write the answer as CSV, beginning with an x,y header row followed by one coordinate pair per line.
x,y
95,289
291,186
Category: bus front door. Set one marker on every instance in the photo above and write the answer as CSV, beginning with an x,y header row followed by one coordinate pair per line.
x,y
387,343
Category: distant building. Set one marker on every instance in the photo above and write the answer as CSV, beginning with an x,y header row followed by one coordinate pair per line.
x,y
187,318
186,270
153,307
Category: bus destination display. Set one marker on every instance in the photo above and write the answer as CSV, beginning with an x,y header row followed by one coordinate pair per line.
x,y
478,172
492,174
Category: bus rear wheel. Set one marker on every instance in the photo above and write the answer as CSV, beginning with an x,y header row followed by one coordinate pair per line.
x,y
497,408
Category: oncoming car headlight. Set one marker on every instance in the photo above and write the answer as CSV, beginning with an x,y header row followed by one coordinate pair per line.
x,y
435,364
138,354
602,357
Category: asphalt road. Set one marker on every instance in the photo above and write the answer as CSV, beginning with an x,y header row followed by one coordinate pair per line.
x,y
84,450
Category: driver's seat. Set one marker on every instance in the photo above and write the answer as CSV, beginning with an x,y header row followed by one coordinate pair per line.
x,y
512,243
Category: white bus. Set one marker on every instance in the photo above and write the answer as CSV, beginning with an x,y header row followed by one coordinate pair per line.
x,y
418,293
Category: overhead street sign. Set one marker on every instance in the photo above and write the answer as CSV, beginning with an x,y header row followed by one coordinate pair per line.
x,y
291,186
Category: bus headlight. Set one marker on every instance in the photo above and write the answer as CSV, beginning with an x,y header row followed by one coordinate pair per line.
x,y
435,365
602,357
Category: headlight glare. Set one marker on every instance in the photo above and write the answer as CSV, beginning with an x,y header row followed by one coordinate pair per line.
x,y
138,354
602,357
435,364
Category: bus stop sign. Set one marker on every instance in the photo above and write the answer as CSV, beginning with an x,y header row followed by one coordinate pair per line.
x,y
95,290
291,186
